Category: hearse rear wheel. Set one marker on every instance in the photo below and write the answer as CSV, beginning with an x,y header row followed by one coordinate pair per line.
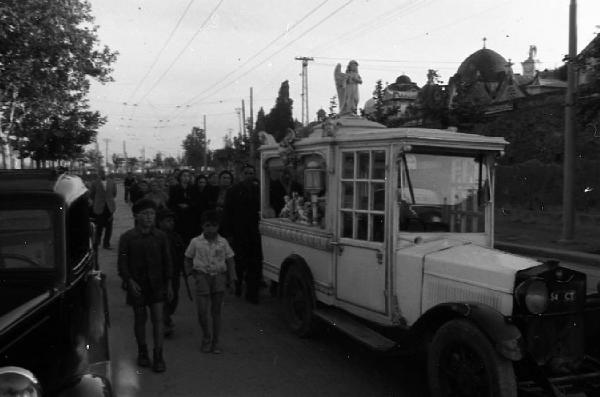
x,y
298,301
463,363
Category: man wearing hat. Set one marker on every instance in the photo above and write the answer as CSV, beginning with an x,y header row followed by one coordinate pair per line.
x,y
165,220
146,267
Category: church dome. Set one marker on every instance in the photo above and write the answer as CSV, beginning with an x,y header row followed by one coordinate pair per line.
x,y
485,64
403,79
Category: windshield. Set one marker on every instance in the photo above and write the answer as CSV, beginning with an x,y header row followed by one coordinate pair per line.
x,y
26,239
442,193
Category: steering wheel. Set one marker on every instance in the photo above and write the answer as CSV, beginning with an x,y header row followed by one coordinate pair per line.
x,y
19,257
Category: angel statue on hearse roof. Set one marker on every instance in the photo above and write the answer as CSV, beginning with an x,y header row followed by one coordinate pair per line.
x,y
347,87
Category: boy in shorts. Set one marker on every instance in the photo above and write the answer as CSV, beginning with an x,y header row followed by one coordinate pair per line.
x,y
209,260
145,267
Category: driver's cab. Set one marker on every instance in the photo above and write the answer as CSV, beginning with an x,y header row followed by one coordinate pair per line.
x,y
443,193
44,235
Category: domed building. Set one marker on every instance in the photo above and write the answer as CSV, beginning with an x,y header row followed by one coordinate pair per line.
x,y
486,78
397,96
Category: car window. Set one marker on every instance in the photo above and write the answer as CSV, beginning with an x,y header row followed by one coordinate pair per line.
x,y
26,239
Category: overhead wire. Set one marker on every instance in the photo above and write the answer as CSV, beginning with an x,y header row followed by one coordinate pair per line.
x,y
159,54
285,32
374,23
162,49
321,21
180,54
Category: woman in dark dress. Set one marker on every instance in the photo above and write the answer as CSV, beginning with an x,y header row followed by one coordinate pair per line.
x,y
201,202
181,201
217,197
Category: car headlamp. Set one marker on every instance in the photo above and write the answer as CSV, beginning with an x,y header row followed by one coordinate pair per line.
x,y
534,295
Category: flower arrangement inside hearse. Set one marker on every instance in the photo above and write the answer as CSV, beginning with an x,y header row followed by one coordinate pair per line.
x,y
299,210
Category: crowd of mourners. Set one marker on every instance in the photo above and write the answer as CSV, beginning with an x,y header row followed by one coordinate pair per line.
x,y
202,229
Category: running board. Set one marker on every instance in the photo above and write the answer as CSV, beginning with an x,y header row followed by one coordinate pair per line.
x,y
355,329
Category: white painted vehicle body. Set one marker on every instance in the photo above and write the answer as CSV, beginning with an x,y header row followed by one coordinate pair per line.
x,y
391,276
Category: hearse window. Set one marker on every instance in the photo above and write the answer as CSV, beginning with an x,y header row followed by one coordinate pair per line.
x,y
442,193
296,194
26,239
363,195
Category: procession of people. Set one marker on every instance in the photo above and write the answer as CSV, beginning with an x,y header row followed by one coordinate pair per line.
x,y
199,228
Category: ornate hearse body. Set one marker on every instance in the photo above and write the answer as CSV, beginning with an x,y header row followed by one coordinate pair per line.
x,y
53,308
385,232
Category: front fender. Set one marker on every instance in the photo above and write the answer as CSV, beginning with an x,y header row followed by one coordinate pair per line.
x,y
504,336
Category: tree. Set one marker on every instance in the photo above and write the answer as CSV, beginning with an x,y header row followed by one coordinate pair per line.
x,y
332,106
321,115
158,160
170,162
379,114
93,157
432,103
433,77
261,120
280,118
48,52
194,147
468,108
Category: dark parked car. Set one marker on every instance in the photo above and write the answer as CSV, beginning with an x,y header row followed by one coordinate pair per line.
x,y
53,308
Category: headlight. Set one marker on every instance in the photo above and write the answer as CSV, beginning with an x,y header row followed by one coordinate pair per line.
x,y
536,297
534,294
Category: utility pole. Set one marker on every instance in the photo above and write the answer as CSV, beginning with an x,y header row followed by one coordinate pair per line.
x,y
243,119
239,113
144,158
305,61
98,152
106,141
125,155
251,129
205,144
569,156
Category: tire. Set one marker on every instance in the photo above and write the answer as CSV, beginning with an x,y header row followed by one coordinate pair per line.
x,y
298,301
462,362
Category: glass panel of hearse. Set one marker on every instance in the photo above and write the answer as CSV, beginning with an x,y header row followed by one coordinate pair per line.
x,y
442,193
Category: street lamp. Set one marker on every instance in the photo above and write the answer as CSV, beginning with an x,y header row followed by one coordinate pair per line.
x,y
314,182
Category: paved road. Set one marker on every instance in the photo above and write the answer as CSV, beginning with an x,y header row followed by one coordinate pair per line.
x,y
261,357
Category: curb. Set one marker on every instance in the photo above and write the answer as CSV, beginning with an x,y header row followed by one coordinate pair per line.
x,y
546,253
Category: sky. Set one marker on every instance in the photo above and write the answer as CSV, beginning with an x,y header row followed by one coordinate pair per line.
x,y
181,61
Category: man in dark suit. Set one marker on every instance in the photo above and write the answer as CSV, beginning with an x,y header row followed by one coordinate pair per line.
x,y
102,195
241,217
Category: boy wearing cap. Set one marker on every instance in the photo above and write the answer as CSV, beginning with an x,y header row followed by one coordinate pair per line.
x,y
145,266
166,222
209,259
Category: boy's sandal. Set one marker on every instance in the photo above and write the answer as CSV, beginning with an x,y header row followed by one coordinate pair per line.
x,y
216,350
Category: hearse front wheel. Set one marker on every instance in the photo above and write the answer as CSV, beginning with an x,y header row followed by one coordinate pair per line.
x,y
298,301
463,363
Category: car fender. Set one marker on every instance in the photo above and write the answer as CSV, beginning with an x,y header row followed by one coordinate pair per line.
x,y
504,336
